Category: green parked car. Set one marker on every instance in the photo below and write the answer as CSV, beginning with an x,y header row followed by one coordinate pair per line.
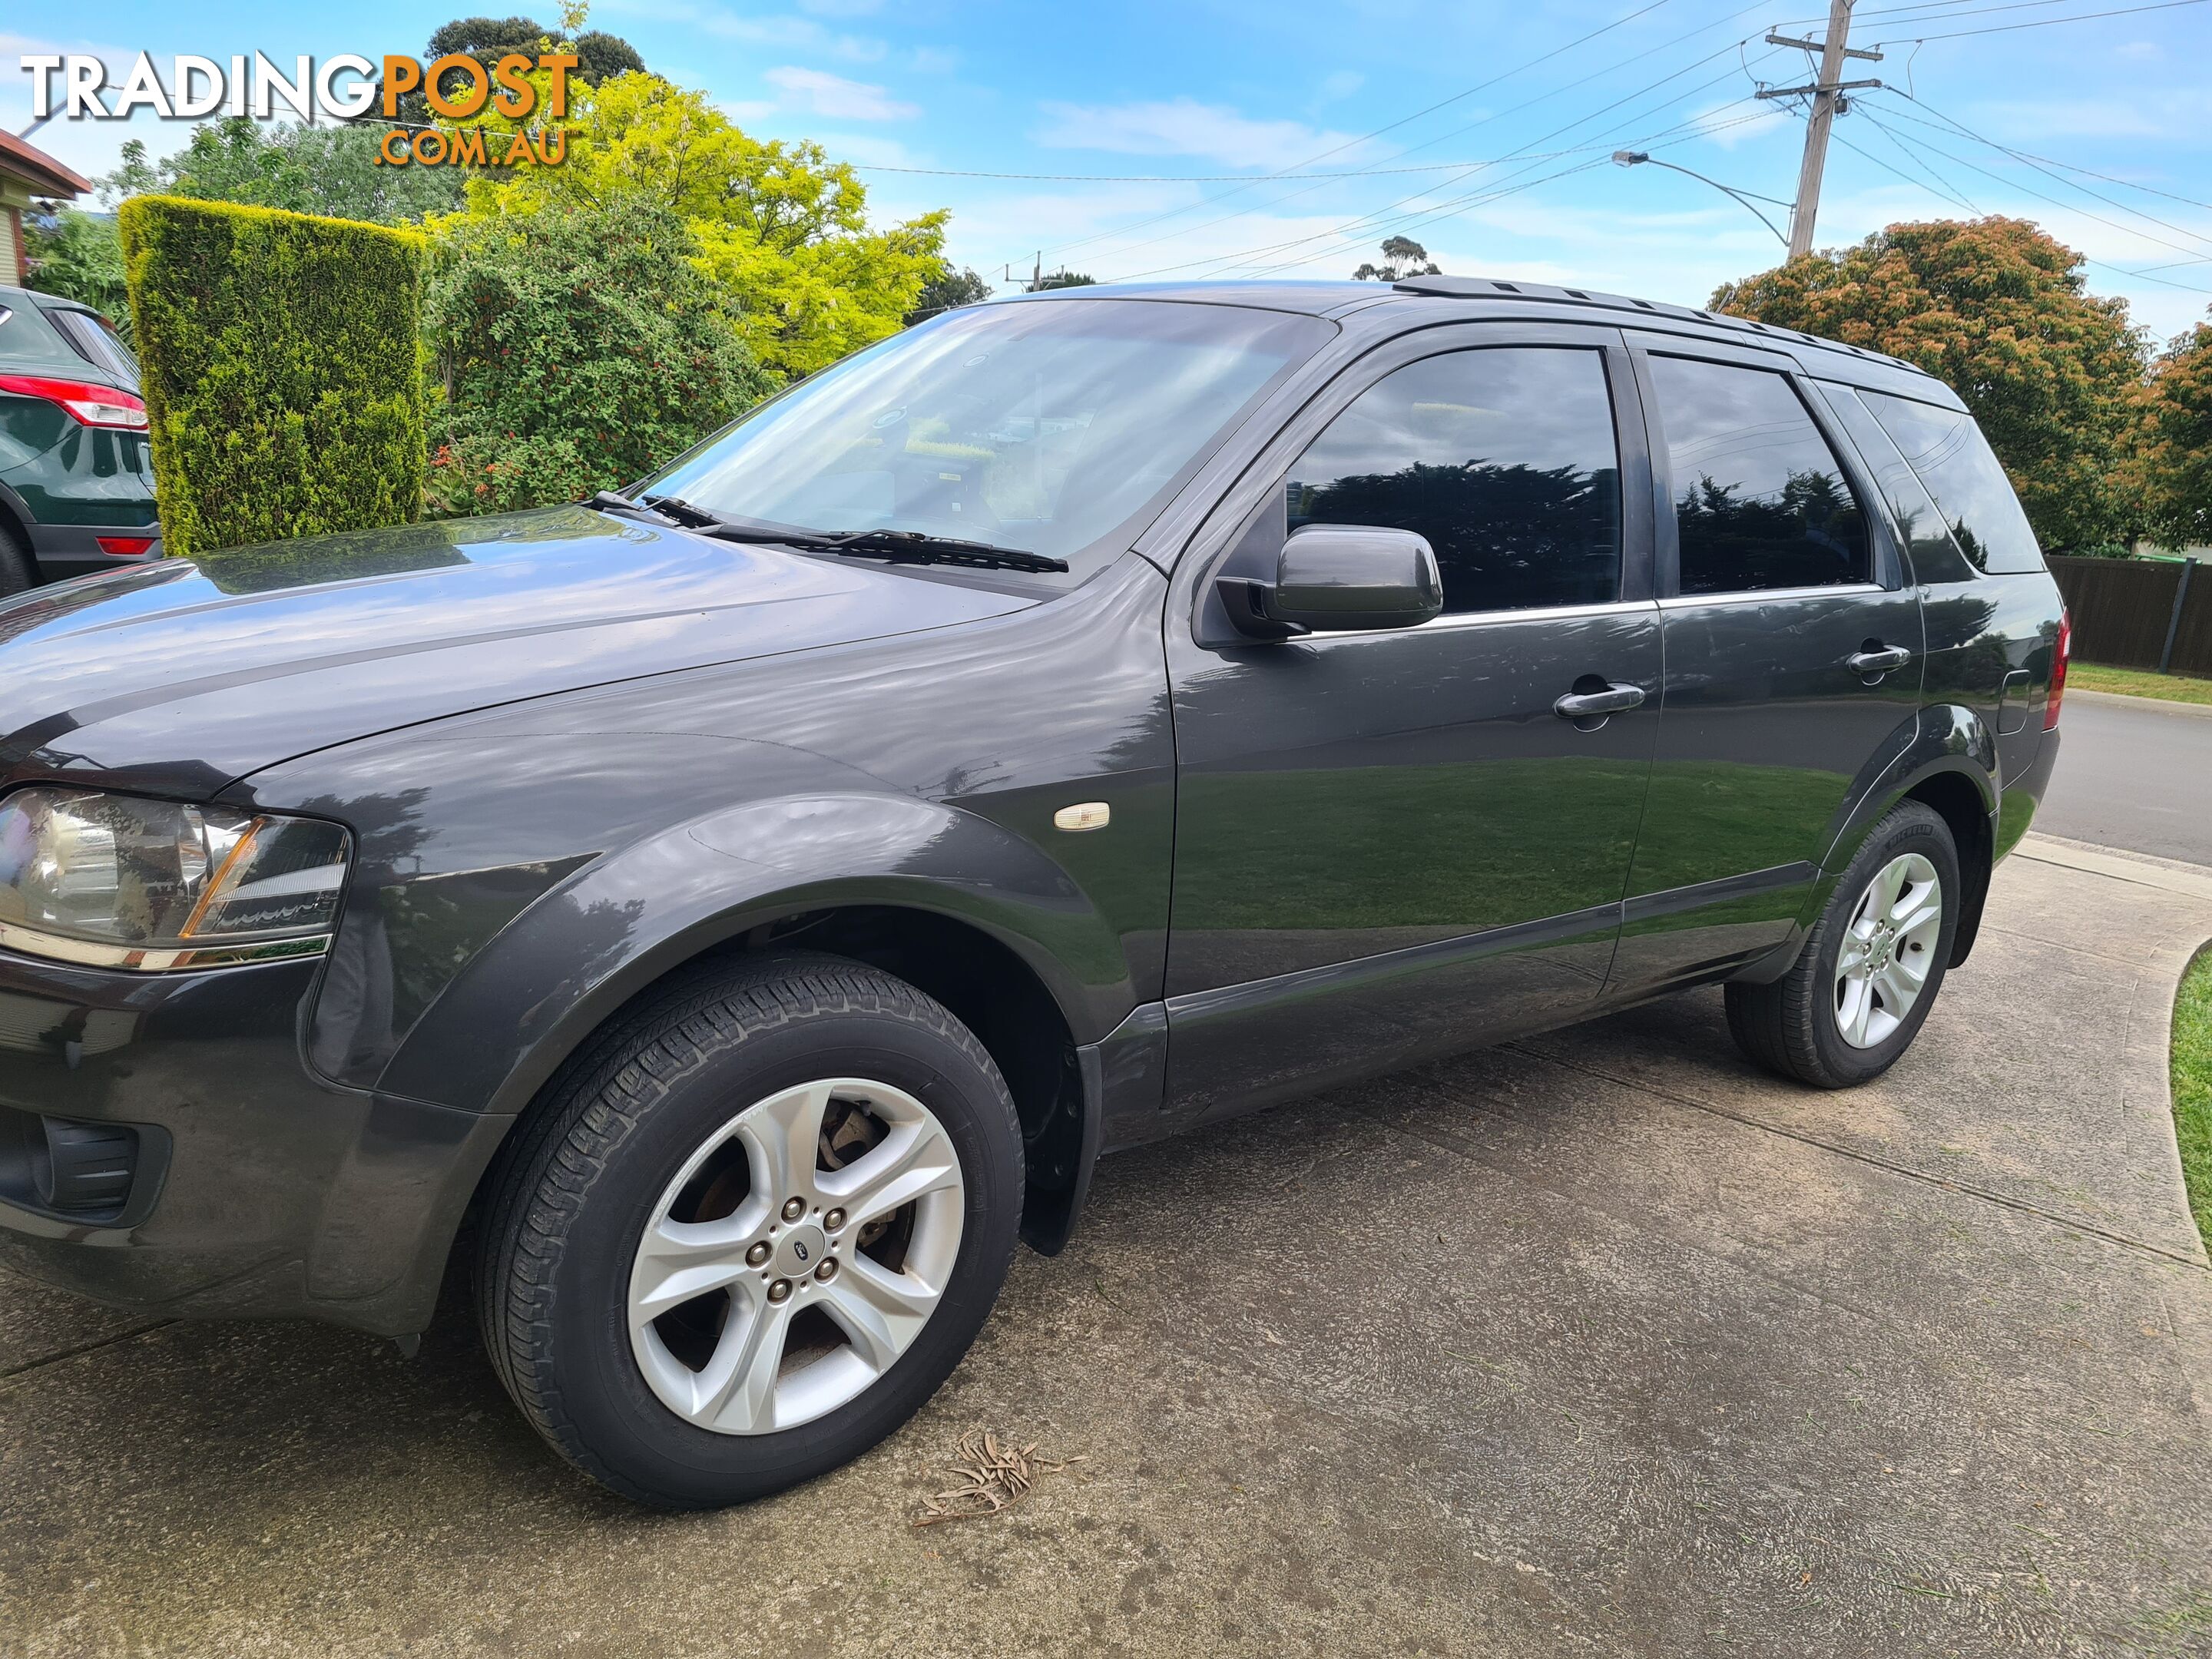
x,y
76,482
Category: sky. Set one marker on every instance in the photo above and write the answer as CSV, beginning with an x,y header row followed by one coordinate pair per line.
x,y
1196,139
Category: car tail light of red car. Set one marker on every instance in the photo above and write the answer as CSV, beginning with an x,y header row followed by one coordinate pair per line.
x,y
2061,652
83,402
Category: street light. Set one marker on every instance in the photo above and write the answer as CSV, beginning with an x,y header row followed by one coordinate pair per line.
x,y
1631,158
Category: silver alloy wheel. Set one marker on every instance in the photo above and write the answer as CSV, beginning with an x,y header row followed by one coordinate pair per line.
x,y
1887,950
773,1270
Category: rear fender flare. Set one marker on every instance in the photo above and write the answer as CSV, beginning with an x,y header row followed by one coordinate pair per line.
x,y
1943,737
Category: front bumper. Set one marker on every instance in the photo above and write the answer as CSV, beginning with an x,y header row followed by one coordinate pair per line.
x,y
281,1194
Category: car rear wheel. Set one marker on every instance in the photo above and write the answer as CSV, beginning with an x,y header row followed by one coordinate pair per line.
x,y
1860,989
17,573
758,1225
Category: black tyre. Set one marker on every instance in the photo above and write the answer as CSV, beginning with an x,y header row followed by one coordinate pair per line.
x,y
17,570
1860,989
752,1228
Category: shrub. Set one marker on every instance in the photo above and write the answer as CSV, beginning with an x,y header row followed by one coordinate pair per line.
x,y
76,255
580,348
279,355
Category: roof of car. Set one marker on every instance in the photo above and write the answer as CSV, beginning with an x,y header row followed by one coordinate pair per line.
x,y
1321,298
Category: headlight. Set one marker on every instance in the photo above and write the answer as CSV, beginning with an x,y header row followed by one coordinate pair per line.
x,y
115,882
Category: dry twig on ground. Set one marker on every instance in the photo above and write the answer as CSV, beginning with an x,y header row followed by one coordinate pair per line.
x,y
993,1477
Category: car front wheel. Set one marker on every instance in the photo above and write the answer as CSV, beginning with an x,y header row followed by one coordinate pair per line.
x,y
758,1225
1861,987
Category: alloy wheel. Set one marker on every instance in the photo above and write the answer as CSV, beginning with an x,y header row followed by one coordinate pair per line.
x,y
796,1255
1887,950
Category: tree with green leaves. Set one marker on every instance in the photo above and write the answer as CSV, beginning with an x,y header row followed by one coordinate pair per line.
x,y
2173,463
780,227
79,255
2000,312
332,171
579,348
948,291
1063,278
599,56
1402,256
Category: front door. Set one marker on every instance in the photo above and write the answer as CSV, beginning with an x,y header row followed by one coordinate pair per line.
x,y
1388,844
1793,661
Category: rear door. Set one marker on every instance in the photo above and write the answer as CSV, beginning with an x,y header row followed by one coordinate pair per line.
x,y
1388,844
1794,646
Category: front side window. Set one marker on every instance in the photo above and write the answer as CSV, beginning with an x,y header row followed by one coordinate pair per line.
x,y
1504,458
1953,458
1761,501
1055,427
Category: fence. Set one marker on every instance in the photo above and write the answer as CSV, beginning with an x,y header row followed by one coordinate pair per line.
x,y
2139,613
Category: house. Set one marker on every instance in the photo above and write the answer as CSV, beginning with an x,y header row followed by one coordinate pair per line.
x,y
25,172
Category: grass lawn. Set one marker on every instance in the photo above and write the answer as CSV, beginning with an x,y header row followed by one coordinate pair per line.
x,y
2138,682
2192,1087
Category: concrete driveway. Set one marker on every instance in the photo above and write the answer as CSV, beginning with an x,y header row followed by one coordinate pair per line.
x,y
1595,1344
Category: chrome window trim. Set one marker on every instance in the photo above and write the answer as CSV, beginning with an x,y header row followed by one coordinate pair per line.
x,y
1735,595
1459,619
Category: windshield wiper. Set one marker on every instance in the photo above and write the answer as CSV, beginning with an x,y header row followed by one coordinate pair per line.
x,y
897,546
919,547
607,501
676,508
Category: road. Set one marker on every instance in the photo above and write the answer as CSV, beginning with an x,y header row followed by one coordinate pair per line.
x,y
1599,1342
2133,773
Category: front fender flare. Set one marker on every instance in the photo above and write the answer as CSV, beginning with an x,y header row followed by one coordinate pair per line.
x,y
553,973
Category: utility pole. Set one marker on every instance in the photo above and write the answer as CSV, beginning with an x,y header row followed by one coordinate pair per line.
x,y
1828,102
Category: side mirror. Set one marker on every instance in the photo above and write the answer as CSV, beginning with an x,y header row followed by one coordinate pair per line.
x,y
1334,578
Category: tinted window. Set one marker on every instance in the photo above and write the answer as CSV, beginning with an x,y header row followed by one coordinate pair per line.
x,y
1759,500
1504,459
1953,458
1054,426
1936,557
96,343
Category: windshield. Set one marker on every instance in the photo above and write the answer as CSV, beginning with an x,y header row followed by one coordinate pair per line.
x,y
1056,428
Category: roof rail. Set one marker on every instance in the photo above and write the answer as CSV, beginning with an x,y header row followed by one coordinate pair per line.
x,y
1487,287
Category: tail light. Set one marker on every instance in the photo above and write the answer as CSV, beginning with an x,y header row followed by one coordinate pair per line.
x,y
2061,652
84,403
126,546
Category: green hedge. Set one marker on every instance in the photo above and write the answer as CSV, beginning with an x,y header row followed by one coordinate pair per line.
x,y
281,370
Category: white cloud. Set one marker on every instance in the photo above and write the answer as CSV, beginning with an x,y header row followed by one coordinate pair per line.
x,y
783,32
1183,126
821,93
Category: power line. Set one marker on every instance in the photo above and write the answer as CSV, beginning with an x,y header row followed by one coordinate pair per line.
x,y
1128,249
1959,127
2013,184
1067,248
1960,196
2050,22
1381,218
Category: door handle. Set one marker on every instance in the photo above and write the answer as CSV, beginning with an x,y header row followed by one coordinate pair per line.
x,y
1582,705
1877,658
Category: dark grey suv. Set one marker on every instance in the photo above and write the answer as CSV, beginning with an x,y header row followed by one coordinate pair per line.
x,y
736,911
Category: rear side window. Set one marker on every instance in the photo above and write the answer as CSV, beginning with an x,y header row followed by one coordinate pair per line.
x,y
1504,458
1936,557
1761,501
96,343
1953,458
26,337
